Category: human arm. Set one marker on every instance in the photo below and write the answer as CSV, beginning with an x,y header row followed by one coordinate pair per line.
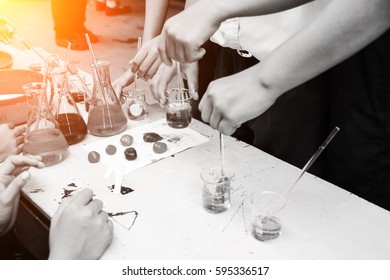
x,y
155,15
80,229
11,140
343,28
184,34
13,176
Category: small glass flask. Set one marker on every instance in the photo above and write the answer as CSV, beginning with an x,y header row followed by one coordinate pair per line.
x,y
43,136
105,116
65,109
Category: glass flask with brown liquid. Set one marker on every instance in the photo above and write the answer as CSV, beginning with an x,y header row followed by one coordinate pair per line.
x,y
43,136
65,109
105,116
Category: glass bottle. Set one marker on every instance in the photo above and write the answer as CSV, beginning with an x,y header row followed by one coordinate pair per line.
x,y
43,136
65,110
105,116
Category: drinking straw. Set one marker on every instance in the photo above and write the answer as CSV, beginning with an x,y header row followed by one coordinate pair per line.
x,y
222,153
315,156
139,44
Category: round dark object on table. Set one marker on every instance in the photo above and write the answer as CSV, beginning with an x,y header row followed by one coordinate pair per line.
x,y
152,137
160,147
130,153
126,140
111,150
93,157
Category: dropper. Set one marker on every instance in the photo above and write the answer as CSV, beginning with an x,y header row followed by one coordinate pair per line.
x,y
315,156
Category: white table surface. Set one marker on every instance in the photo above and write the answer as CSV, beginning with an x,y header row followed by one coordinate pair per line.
x,y
320,221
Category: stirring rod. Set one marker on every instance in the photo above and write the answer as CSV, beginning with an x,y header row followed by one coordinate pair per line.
x,y
139,44
29,46
99,80
222,153
67,54
315,156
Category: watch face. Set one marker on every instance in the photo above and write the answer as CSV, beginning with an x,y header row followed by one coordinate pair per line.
x,y
244,53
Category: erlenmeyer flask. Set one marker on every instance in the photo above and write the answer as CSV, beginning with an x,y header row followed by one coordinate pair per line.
x,y
105,116
43,136
65,110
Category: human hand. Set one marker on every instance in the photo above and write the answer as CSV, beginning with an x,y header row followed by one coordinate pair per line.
x,y
184,34
159,83
80,229
124,80
147,60
13,177
11,140
233,100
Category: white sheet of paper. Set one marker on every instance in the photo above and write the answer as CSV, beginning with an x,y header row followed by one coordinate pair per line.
x,y
177,140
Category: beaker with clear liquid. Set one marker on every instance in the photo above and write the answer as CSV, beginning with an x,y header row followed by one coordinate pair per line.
x,y
43,136
105,116
65,109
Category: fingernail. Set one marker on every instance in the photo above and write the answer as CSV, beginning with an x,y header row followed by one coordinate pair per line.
x,y
25,175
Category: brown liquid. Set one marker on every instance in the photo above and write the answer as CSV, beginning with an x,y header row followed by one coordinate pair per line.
x,y
73,127
178,116
48,143
106,120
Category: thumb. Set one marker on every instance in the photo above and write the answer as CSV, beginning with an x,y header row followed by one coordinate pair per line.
x,y
13,189
192,80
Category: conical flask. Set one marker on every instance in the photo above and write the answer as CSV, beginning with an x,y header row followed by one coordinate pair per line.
x,y
65,110
105,116
43,136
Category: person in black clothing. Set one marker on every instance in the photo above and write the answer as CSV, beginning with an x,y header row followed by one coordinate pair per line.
x,y
69,18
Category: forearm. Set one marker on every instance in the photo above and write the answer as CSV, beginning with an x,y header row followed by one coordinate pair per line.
x,y
342,29
155,15
223,10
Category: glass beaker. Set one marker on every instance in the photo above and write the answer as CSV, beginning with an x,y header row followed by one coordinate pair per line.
x,y
134,103
105,116
178,109
43,136
65,110
265,222
216,189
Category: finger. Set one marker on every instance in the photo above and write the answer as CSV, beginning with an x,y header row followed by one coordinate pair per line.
x,y
226,127
83,197
138,60
20,130
11,125
19,149
215,118
96,205
206,109
177,52
145,65
192,80
12,162
153,69
104,215
193,55
13,189
162,47
19,140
